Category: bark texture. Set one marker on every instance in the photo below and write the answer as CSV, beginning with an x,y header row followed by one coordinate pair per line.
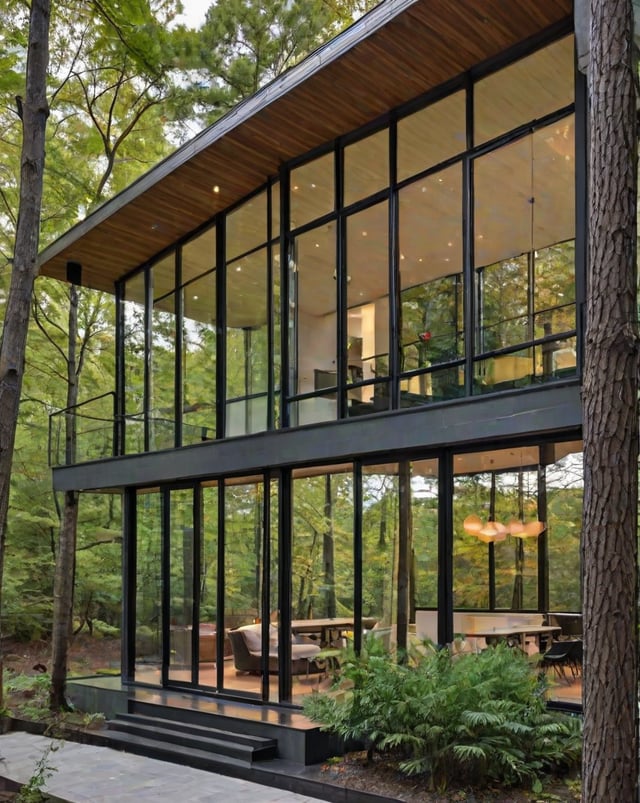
x,y
610,391
25,266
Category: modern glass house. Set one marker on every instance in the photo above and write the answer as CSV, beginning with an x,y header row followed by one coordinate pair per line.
x,y
349,318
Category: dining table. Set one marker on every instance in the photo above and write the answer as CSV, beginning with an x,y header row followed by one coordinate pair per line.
x,y
515,632
329,630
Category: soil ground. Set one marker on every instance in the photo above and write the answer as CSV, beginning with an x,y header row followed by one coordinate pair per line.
x,y
90,655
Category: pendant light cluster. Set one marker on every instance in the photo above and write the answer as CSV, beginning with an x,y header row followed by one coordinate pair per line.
x,y
493,531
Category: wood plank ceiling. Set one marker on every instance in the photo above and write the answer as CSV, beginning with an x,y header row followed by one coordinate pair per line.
x,y
400,50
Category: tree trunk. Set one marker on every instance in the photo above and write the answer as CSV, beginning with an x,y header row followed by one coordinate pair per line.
x,y
63,602
328,548
34,112
610,391
63,582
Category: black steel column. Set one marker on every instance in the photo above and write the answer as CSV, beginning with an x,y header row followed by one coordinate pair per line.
x,y
445,549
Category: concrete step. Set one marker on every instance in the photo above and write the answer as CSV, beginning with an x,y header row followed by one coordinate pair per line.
x,y
176,753
239,746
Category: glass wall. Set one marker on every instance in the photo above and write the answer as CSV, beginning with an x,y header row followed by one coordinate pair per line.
x,y
134,349
313,325
248,317
211,638
426,260
524,257
564,476
431,288
162,374
368,346
322,545
148,588
516,536
364,563
199,338
181,577
243,579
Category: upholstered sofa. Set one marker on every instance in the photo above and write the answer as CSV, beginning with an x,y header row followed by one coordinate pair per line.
x,y
246,646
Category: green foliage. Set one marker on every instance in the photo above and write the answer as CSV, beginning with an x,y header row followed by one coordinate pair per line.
x,y
471,718
32,791
34,693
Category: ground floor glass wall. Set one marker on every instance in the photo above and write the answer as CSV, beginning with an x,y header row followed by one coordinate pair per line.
x,y
242,584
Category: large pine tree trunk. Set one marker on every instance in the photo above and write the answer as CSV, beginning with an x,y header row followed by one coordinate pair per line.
x,y
34,112
610,527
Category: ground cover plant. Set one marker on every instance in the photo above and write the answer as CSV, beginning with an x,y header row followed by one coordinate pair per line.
x,y
463,720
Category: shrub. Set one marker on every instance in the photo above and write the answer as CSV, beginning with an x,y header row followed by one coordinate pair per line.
x,y
472,718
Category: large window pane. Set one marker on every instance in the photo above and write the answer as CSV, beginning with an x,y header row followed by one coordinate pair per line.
x,y
431,135
424,541
199,360
525,257
243,514
148,602
368,306
199,255
497,486
247,344
526,90
565,488
366,167
380,529
312,190
431,286
246,226
181,585
209,630
134,362
162,410
312,322
322,546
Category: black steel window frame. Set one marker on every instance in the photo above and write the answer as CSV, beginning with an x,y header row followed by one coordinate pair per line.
x,y
286,236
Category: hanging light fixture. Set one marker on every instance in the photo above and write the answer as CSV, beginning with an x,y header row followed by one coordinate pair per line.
x,y
494,531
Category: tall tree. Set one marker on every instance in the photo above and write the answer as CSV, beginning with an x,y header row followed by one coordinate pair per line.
x,y
33,110
610,394
244,44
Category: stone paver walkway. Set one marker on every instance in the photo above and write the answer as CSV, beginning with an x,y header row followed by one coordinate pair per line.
x,y
100,774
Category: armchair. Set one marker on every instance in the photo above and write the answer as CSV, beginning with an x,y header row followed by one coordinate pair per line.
x,y
246,646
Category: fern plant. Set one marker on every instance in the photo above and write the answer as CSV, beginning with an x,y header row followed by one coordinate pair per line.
x,y
473,718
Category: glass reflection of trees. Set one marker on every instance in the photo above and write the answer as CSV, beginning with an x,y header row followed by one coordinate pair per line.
x,y
516,560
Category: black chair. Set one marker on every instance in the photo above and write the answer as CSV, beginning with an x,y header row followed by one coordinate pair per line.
x,y
575,658
562,655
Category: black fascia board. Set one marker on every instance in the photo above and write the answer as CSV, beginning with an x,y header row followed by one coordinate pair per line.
x,y
461,424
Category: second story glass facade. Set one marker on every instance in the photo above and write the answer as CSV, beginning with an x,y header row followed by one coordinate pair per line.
x,y
427,258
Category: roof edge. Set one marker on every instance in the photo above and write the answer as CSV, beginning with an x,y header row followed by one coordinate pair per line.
x,y
362,28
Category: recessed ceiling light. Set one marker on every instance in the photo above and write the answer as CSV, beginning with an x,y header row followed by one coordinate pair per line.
x,y
216,189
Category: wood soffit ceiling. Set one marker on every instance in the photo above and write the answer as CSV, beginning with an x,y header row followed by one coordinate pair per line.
x,y
395,53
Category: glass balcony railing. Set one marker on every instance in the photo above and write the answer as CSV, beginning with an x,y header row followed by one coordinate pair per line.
x,y
86,431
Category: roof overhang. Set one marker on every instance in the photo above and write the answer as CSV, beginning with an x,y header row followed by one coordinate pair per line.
x,y
396,52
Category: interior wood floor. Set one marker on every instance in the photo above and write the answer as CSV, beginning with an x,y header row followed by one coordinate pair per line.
x,y
563,689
